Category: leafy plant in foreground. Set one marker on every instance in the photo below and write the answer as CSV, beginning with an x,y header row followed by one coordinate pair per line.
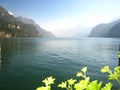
x,y
48,82
115,75
85,83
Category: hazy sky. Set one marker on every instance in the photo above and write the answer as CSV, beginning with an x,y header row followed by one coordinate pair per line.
x,y
56,15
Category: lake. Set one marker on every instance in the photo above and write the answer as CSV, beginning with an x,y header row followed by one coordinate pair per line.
x,y
27,61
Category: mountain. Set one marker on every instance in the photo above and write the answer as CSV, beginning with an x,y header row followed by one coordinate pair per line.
x,y
115,31
11,26
107,30
41,30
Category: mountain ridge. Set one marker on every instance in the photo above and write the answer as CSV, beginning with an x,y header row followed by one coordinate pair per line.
x,y
25,20
106,30
10,27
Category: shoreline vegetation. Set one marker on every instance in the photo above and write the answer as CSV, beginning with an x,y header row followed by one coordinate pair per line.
x,y
85,83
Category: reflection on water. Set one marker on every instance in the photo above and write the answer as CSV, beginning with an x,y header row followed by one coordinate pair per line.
x,y
7,49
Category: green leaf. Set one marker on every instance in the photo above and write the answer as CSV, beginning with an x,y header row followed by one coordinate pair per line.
x,y
44,88
111,77
94,85
84,69
40,88
71,81
117,69
63,85
82,84
107,87
105,69
49,81
79,74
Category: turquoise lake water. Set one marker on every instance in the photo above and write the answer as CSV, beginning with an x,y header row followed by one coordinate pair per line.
x,y
26,62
